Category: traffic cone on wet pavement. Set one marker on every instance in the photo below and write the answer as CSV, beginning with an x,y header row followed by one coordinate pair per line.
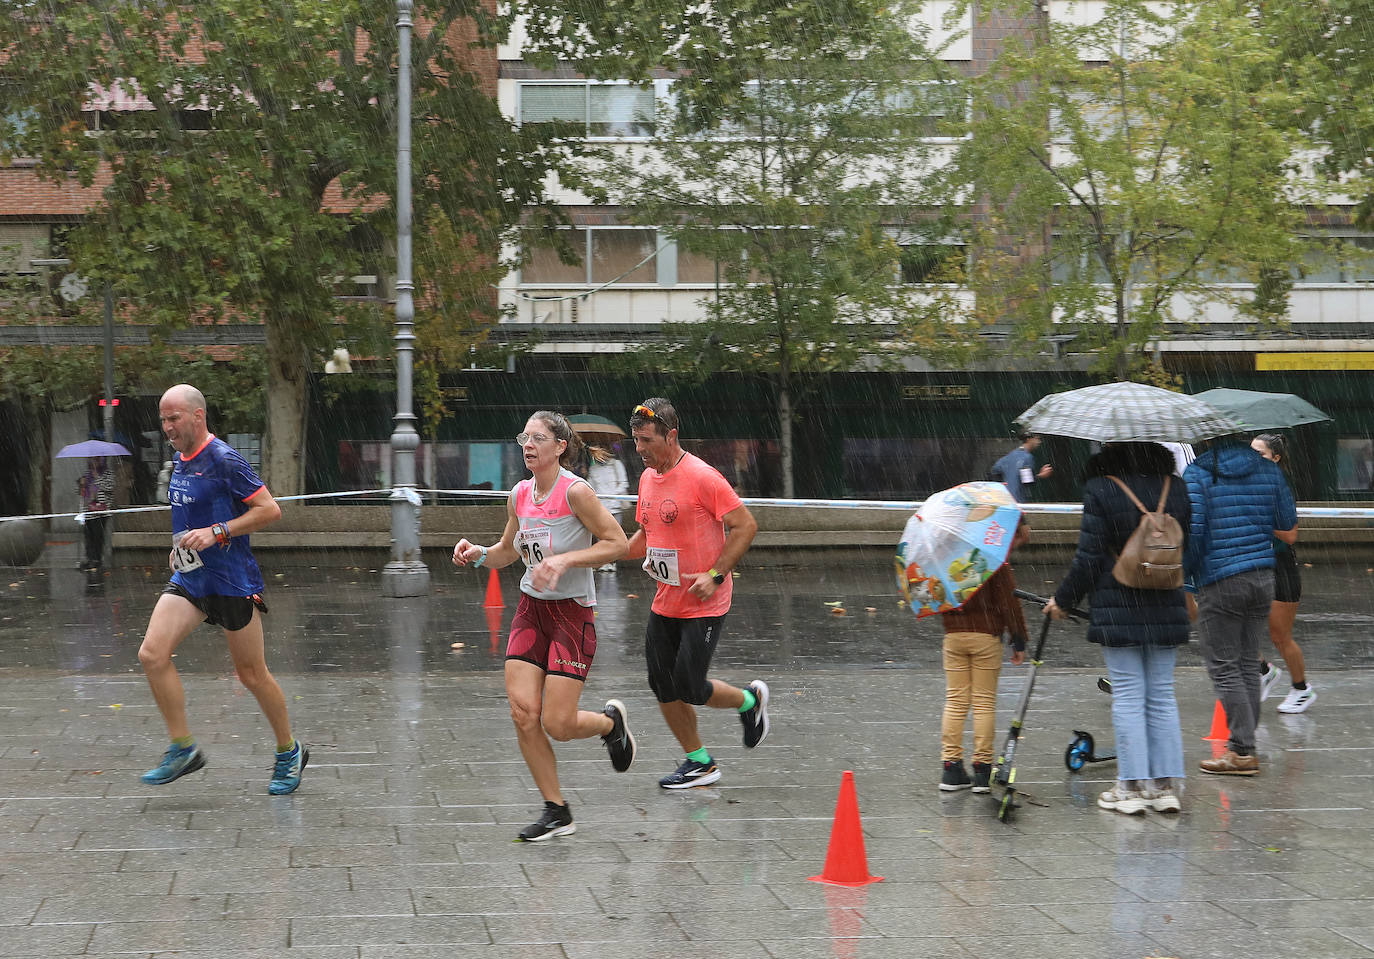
x,y
1220,731
494,627
846,862
493,600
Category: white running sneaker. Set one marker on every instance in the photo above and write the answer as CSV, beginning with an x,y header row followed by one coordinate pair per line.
x,y
1298,700
1269,680
1164,800
1126,801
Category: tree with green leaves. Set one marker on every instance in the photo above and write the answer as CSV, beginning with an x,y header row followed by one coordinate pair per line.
x,y
783,166
245,153
1134,170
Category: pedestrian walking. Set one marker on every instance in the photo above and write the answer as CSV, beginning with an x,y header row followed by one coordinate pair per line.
x,y
217,500
1139,629
1017,469
973,664
1238,500
97,490
1287,594
561,531
693,529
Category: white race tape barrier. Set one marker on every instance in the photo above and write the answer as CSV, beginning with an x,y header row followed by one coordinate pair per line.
x,y
415,495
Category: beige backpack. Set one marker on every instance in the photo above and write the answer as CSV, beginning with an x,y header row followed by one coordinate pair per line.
x,y
1153,557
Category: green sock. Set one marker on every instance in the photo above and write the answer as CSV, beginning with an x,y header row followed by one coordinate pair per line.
x,y
699,756
749,700
184,742
288,747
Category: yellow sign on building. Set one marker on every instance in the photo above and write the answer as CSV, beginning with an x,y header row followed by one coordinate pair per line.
x,y
1314,361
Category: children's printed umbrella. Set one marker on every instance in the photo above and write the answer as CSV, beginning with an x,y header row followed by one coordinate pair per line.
x,y
955,541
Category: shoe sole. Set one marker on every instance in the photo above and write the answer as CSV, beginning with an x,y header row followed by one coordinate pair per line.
x,y
1298,708
625,724
946,788
305,761
1229,772
760,689
554,833
981,789
1129,807
712,776
197,763
1171,808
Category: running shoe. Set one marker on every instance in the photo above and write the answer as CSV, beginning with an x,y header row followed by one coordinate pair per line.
x,y
556,821
691,773
619,742
1268,680
982,777
1127,801
953,777
177,761
755,721
1298,700
286,771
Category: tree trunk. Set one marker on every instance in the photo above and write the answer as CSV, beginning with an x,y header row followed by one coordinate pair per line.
x,y
785,441
38,417
283,445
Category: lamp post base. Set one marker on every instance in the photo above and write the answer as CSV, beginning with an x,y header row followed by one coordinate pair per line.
x,y
400,580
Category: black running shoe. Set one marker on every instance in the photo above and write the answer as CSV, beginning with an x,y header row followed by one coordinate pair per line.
x,y
954,777
619,742
556,821
755,721
691,773
982,777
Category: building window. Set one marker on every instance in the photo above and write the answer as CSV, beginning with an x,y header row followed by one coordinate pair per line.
x,y
914,468
921,263
1355,465
603,110
614,255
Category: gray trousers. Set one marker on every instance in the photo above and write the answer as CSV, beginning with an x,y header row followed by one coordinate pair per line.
x,y
1233,619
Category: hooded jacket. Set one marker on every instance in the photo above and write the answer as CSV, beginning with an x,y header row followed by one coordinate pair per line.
x,y
1238,499
1122,615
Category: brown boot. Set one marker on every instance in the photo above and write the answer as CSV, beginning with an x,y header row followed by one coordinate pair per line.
x,y
1229,764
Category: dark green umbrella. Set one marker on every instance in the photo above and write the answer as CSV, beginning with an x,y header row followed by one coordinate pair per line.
x,y
1263,411
586,423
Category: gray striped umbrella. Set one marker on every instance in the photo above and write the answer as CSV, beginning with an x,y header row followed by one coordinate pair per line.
x,y
1125,413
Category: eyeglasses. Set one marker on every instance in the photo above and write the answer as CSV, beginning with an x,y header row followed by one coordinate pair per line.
x,y
539,439
642,410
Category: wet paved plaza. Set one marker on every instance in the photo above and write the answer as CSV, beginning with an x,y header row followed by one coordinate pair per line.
x,y
398,843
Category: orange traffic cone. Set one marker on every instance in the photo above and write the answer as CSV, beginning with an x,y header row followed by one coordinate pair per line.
x,y
846,863
1220,731
493,600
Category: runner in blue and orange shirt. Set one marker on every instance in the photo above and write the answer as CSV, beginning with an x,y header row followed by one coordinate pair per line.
x,y
217,500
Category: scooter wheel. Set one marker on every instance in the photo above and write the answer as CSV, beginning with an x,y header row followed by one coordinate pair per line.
x,y
1076,756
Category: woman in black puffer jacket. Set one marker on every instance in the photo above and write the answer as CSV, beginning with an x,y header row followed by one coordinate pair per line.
x,y
1139,629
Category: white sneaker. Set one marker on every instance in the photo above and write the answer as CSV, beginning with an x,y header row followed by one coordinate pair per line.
x,y
1298,700
1164,800
1269,680
1126,801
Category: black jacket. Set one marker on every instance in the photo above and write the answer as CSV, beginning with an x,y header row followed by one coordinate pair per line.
x,y
1122,616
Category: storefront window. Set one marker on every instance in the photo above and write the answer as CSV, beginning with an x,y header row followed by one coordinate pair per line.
x,y
1355,464
910,469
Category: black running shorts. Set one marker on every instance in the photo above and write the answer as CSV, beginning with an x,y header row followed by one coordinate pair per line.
x,y
678,653
228,612
1287,582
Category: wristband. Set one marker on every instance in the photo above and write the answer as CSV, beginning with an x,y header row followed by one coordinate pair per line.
x,y
221,535
481,559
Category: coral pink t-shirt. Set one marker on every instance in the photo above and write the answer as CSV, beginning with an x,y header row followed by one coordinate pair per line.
x,y
681,512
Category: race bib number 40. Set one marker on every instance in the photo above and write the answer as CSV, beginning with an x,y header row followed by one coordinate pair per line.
x,y
535,545
661,565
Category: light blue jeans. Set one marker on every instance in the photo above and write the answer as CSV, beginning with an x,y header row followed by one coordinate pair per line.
x,y
1149,742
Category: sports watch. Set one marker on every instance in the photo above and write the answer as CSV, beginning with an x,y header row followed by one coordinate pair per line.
x,y
716,575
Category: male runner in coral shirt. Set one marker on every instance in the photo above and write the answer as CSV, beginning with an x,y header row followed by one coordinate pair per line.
x,y
685,511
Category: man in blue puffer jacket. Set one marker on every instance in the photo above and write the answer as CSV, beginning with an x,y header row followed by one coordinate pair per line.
x,y
1238,500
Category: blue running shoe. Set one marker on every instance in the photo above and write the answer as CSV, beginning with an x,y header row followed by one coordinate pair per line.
x,y
286,771
177,761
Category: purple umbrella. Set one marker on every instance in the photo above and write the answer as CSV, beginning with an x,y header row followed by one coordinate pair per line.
x,y
91,448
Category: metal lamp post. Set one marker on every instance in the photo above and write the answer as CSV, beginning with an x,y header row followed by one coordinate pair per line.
x,y
406,574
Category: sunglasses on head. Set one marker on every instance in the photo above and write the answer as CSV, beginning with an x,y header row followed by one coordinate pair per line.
x,y
642,410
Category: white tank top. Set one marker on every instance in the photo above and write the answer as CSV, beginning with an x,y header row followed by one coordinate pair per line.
x,y
549,528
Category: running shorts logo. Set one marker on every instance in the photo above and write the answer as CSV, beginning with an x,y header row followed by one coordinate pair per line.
x,y
569,662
